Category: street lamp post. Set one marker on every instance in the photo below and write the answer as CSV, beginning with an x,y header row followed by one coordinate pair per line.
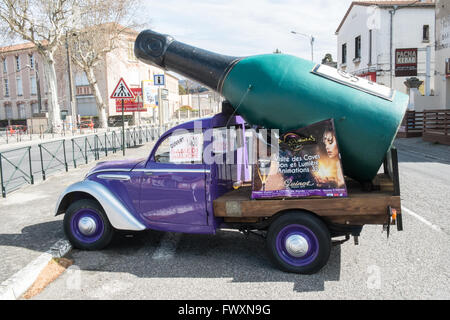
x,y
311,41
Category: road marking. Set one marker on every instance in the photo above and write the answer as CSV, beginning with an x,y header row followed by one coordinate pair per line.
x,y
167,246
422,219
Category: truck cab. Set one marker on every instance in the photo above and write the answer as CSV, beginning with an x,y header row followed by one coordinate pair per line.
x,y
161,192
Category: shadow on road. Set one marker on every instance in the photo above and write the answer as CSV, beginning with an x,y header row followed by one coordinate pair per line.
x,y
38,237
224,255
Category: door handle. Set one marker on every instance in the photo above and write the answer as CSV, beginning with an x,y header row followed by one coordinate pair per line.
x,y
148,173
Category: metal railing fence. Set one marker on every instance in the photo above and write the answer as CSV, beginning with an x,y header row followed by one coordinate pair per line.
x,y
23,166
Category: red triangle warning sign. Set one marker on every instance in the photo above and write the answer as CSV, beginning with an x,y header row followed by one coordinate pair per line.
x,y
122,91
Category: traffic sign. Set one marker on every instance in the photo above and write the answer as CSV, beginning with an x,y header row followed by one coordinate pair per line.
x,y
158,80
122,91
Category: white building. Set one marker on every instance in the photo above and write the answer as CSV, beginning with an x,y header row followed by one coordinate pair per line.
x,y
371,32
442,80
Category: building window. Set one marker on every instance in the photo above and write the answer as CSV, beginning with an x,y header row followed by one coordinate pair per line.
x,y
5,68
344,53
19,87
35,107
21,108
426,33
17,63
31,61
358,48
6,87
33,84
84,90
131,56
8,111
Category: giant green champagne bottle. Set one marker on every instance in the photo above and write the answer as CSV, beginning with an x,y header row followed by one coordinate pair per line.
x,y
285,92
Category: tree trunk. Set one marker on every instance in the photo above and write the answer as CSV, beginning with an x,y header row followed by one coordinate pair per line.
x,y
54,112
101,106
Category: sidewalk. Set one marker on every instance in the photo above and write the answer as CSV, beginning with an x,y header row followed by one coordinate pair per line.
x,y
14,144
28,226
418,147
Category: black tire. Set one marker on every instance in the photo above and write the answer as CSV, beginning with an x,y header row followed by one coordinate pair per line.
x,y
103,232
314,232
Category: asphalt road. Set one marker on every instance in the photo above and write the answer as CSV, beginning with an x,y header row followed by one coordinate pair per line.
x,y
412,264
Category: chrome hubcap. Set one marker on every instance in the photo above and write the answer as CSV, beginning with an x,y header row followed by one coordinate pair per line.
x,y
87,226
296,245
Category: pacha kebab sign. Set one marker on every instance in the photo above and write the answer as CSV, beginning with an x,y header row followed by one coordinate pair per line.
x,y
308,164
406,62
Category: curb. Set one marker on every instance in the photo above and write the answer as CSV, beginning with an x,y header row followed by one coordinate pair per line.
x,y
14,287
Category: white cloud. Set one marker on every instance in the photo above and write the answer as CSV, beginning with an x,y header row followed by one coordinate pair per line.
x,y
246,27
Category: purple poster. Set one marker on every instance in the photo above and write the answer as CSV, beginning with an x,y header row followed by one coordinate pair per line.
x,y
306,163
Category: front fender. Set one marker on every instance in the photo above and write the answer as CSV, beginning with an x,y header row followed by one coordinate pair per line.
x,y
119,216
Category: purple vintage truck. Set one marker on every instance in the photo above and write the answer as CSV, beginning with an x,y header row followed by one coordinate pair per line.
x,y
179,190
199,197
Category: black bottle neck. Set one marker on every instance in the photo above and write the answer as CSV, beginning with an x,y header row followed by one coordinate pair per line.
x,y
200,65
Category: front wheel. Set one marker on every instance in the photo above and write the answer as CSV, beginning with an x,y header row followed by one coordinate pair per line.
x,y
299,242
87,226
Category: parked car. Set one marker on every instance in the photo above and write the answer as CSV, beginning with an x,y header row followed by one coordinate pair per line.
x,y
86,124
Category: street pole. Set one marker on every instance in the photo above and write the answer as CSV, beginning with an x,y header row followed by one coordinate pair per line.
x,y
72,104
428,72
160,109
123,129
38,85
311,42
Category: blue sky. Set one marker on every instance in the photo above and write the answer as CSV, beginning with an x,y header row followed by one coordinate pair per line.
x,y
246,27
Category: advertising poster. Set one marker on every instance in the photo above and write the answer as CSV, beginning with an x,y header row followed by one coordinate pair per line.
x,y
307,164
150,94
132,105
186,148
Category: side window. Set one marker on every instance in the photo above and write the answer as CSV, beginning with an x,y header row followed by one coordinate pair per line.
x,y
163,152
181,148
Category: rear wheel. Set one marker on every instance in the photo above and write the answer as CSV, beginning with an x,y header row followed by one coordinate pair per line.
x,y
87,226
299,242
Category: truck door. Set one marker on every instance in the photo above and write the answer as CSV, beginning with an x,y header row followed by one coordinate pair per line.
x,y
173,181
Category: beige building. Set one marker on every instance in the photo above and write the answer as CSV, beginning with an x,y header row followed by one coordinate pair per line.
x,y
19,93
123,63
442,80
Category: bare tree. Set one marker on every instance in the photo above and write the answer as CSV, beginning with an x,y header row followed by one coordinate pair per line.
x,y
44,23
104,24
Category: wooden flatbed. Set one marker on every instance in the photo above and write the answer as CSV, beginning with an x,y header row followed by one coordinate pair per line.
x,y
359,208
